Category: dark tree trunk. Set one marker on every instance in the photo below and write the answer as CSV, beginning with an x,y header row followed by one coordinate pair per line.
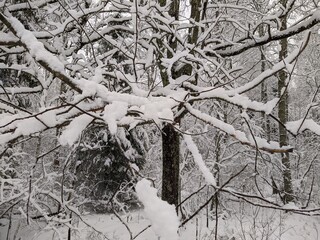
x,y
283,116
170,163
170,137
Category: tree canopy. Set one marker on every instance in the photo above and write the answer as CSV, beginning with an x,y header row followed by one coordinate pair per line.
x,y
200,72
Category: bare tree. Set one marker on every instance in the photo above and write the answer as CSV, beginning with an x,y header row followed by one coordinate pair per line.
x,y
190,59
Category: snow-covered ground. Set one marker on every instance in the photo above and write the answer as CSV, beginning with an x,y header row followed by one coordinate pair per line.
x,y
261,224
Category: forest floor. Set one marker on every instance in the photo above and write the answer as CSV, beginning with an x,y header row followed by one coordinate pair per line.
x,y
260,224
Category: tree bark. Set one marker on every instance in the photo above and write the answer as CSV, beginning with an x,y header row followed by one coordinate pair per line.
x,y
170,163
264,88
283,116
170,137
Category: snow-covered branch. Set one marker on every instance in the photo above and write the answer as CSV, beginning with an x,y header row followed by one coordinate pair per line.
x,y
263,144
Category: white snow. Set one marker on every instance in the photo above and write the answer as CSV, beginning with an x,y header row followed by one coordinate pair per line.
x,y
239,135
301,125
290,205
25,125
250,224
166,114
35,47
163,216
269,72
199,161
73,131
233,97
113,112
28,126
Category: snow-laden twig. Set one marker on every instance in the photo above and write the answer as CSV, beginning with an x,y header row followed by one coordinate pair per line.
x,y
199,161
272,147
214,194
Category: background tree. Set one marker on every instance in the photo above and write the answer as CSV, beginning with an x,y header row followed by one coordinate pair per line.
x,y
283,111
104,164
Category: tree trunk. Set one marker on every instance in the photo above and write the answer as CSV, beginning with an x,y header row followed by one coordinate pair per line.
x,y
283,116
264,89
170,137
170,163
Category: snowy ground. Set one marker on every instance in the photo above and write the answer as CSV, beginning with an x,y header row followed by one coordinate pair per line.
x,y
261,224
